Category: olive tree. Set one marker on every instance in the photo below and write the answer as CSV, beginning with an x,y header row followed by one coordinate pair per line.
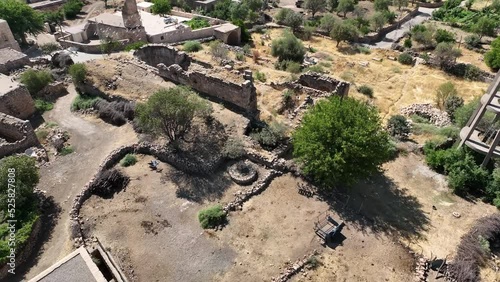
x,y
331,143
315,6
170,112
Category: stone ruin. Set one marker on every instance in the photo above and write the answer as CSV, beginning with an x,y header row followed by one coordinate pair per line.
x,y
324,83
428,111
236,89
16,135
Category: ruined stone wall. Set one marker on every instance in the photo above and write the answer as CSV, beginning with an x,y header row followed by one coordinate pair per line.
x,y
241,95
14,64
6,37
17,102
15,135
182,34
324,83
154,54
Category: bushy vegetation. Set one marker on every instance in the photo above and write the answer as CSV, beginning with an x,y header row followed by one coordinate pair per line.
x,y
451,104
26,212
134,46
128,160
366,90
161,7
78,73
192,46
218,51
289,18
36,80
233,149
43,106
260,76
72,8
345,31
398,127
289,66
492,57
442,35
66,150
405,59
475,21
212,217
288,47
197,23
48,48
472,41
445,91
331,142
271,135
84,102
22,19
170,112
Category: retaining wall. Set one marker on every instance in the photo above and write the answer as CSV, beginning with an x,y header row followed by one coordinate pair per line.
x,y
17,102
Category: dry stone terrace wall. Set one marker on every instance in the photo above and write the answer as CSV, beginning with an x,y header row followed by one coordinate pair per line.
x,y
15,135
324,83
175,66
17,102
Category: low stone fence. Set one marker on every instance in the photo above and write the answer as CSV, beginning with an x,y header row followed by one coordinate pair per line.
x,y
19,131
430,5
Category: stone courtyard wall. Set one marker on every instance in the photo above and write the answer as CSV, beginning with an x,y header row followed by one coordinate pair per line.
x,y
15,135
324,83
154,54
17,102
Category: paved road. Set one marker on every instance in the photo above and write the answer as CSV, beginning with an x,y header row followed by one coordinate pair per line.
x,y
393,36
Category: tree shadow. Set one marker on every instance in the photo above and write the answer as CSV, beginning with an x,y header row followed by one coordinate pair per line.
x,y
50,214
199,188
379,205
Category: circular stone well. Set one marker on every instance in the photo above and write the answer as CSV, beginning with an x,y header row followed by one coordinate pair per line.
x,y
243,172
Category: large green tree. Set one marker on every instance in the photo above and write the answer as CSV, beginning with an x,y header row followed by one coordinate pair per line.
x,y
485,26
492,57
346,6
288,47
19,174
161,7
315,6
340,141
345,31
22,19
170,112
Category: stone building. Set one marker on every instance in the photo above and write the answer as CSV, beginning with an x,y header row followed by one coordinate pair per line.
x,y
132,25
6,37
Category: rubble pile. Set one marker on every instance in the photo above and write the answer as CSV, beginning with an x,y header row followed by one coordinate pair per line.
x,y
435,116
421,270
294,268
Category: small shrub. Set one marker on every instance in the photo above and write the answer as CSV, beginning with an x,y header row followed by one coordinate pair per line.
x,y
405,59
443,35
233,149
42,135
398,127
197,23
128,160
83,102
247,49
212,217
134,46
192,46
51,124
66,150
271,135
260,76
292,67
43,106
363,49
407,43
307,32
35,81
366,90
72,8
48,48
472,73
347,76
472,41
240,56
218,50
313,261
78,72
315,68
452,103
445,91
425,57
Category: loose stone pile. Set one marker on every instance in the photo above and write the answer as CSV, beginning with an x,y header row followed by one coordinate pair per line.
x,y
294,268
435,116
421,270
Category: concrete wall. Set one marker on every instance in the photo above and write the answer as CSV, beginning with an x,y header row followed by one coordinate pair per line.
x,y
6,37
182,34
18,135
17,102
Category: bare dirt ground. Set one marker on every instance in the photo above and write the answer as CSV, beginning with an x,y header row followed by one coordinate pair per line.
x,y
65,176
395,85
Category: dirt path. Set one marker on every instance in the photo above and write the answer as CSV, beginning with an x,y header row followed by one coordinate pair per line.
x,y
65,176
